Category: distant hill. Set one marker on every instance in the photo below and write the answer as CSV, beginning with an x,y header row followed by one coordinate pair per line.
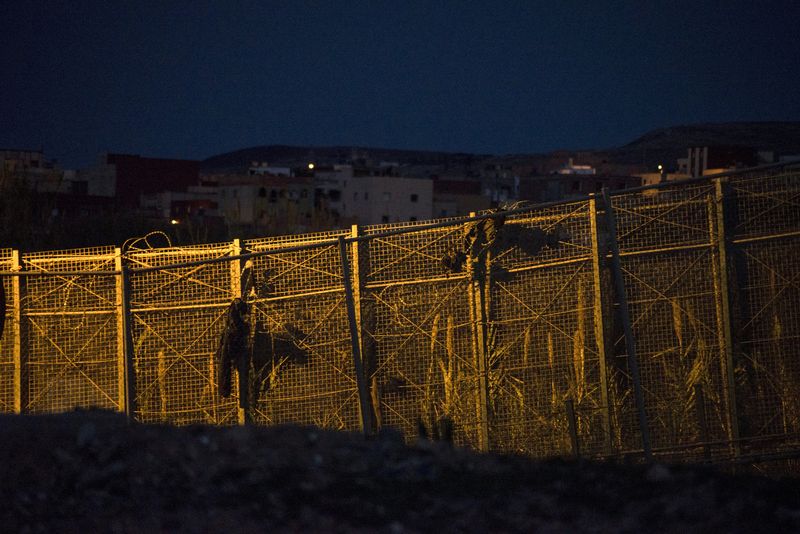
x,y
663,145
667,144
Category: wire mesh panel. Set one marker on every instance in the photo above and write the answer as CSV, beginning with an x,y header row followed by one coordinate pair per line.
x,y
541,347
415,256
8,335
69,320
420,358
418,331
768,329
672,283
302,366
764,215
178,315
764,205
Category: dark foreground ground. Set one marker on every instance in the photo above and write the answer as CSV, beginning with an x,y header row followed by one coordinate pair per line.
x,y
91,472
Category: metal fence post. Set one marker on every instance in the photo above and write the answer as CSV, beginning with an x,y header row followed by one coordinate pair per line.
x,y
243,409
20,351
600,331
355,341
479,318
700,410
125,355
365,320
569,404
724,333
630,343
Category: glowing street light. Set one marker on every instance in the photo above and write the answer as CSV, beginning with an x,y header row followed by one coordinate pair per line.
x,y
174,221
311,166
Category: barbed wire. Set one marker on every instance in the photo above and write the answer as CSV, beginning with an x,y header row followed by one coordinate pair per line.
x,y
131,243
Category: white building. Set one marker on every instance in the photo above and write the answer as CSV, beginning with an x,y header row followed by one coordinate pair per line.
x,y
384,199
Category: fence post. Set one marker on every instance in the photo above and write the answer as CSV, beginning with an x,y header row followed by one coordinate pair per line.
x,y
720,242
700,409
600,331
569,404
20,352
355,341
479,317
630,343
243,408
365,320
126,379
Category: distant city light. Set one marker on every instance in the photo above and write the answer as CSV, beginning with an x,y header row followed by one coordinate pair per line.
x,y
660,167
174,221
311,166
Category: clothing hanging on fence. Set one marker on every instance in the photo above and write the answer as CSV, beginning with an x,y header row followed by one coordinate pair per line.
x,y
233,345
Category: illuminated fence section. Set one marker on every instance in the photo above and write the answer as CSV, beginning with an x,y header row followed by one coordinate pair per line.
x,y
417,332
177,318
8,340
763,216
505,330
671,271
302,367
541,344
69,324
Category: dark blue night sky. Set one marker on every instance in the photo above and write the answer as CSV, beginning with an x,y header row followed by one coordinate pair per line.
x,y
193,79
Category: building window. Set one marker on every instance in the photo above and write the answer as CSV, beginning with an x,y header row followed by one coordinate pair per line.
x,y
262,192
335,195
366,195
273,196
387,196
414,197
304,193
355,195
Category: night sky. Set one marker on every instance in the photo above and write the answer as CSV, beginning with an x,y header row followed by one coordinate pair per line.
x,y
193,79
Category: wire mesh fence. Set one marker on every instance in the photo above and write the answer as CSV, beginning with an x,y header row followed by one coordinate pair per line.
x,y
764,221
177,318
68,324
667,248
302,368
501,332
7,349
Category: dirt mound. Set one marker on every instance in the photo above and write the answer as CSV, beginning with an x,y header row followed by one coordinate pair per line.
x,y
91,471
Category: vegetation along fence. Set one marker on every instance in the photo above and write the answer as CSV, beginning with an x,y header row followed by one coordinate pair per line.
x,y
657,321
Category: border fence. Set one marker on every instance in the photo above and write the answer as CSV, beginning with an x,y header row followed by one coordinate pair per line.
x,y
660,321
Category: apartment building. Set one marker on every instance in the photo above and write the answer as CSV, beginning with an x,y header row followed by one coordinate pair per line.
x,y
386,199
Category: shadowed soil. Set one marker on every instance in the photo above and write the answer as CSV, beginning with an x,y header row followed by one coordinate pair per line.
x,y
93,472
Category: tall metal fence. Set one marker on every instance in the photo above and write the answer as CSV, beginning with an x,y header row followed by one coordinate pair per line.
x,y
507,328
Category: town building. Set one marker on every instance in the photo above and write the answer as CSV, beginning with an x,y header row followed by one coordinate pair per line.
x,y
453,198
386,199
269,203
702,161
554,187
127,176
